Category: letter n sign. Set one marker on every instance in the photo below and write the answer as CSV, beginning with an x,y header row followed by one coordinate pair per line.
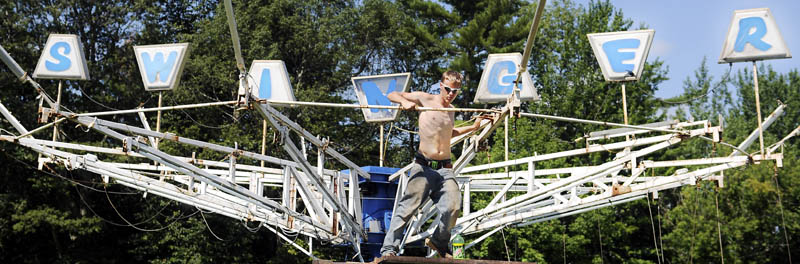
x,y
62,58
270,80
497,81
161,65
372,90
753,35
622,54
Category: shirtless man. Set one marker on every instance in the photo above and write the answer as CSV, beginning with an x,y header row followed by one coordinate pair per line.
x,y
431,173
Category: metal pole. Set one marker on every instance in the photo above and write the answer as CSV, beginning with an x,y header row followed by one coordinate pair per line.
x,y
237,48
41,128
531,38
758,108
505,130
264,140
281,103
158,119
625,108
442,109
380,163
138,110
58,106
585,121
12,64
13,120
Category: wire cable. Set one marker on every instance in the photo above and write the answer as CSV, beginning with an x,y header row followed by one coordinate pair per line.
x,y
94,101
131,224
704,93
209,227
653,226
199,123
719,228
76,182
8,132
780,206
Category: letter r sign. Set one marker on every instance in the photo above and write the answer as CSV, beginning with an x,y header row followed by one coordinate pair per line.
x,y
753,35
621,55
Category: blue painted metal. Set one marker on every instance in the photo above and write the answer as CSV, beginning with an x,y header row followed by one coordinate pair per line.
x,y
377,200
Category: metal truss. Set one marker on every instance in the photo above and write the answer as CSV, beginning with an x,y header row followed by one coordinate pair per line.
x,y
532,195
325,208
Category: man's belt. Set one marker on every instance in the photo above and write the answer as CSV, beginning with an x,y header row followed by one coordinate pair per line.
x,y
433,164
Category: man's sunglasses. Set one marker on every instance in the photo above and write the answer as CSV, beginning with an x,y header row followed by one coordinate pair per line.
x,y
449,89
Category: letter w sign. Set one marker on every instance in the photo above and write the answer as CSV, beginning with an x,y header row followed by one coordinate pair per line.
x,y
161,65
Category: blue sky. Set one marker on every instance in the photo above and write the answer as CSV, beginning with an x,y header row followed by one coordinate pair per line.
x,y
688,30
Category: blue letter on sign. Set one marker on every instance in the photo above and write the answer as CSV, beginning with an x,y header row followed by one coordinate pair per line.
x,y
502,84
744,36
63,62
375,96
157,67
615,58
265,86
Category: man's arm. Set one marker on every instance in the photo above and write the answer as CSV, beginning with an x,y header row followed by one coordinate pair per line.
x,y
457,131
409,101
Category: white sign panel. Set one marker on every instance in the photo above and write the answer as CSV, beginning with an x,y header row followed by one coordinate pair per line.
x,y
622,54
161,65
270,80
62,58
497,80
753,35
372,90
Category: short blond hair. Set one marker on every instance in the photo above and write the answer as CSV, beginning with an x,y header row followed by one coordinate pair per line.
x,y
453,76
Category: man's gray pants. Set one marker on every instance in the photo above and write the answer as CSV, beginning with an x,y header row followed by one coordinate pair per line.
x,y
440,185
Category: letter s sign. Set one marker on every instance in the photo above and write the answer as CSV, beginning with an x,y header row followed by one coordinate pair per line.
x,y
62,58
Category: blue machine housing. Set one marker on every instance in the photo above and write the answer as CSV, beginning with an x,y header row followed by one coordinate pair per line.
x,y
377,202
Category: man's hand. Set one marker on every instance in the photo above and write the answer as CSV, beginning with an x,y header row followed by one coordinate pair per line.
x,y
480,118
408,105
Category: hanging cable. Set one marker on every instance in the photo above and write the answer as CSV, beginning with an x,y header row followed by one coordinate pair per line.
x,y
198,122
564,241
131,224
209,227
94,101
655,242
701,95
694,227
780,206
660,237
8,132
508,256
719,228
76,182
600,236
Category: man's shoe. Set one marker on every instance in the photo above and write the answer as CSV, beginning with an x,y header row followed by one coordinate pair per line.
x,y
440,253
